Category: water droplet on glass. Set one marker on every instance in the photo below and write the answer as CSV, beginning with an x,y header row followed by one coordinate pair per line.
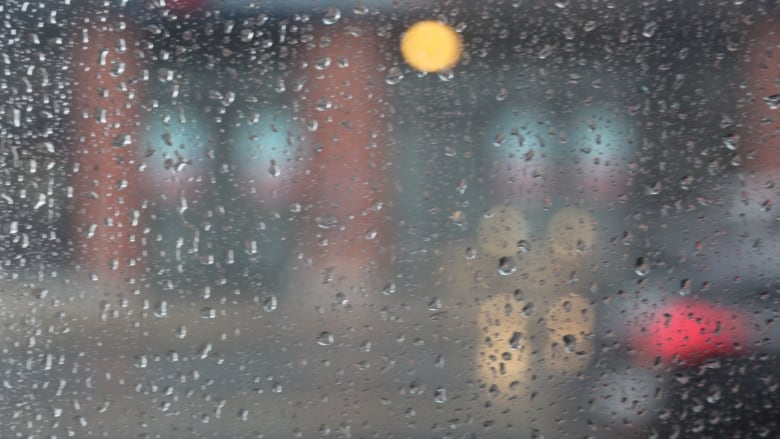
x,y
394,75
161,309
326,221
323,105
506,266
642,268
655,189
247,35
446,75
141,361
528,310
440,395
649,29
502,94
331,16
523,246
685,182
685,287
389,289
516,341
569,343
325,339
322,63
181,331
773,101
471,253
270,303
462,186
121,140
731,141
371,234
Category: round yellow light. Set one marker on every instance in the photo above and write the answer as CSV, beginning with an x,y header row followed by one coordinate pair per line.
x,y
431,46
503,351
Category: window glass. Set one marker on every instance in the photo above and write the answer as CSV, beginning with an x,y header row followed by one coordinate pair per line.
x,y
366,218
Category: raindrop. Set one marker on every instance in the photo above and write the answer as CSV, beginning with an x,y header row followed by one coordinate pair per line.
x,y
371,233
270,303
389,289
325,339
323,105
322,63
462,186
440,395
516,341
506,266
642,268
570,343
161,309
685,182
523,246
394,75
331,16
471,253
326,221
731,141
649,29
773,101
714,394
117,68
655,189
446,75
685,287
121,140
247,35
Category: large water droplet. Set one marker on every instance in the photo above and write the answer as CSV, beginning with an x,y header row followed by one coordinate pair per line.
x,y
569,343
394,75
389,289
506,266
332,16
270,303
773,101
731,141
649,29
325,339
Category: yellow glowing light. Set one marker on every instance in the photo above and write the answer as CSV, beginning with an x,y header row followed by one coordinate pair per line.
x,y
503,351
431,46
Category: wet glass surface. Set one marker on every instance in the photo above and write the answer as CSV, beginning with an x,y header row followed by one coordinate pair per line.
x,y
388,219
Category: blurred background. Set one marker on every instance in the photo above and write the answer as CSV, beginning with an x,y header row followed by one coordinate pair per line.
x,y
257,219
